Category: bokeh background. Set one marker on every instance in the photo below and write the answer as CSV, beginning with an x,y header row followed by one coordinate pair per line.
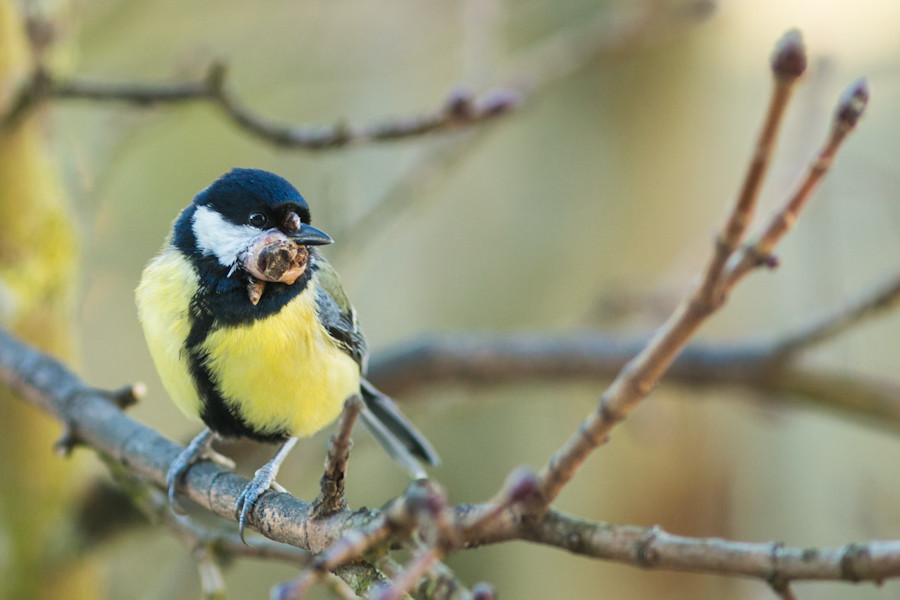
x,y
591,207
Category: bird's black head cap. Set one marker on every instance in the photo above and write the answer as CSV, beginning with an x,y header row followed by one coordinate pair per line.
x,y
241,190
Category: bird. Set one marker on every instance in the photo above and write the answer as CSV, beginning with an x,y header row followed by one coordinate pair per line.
x,y
251,331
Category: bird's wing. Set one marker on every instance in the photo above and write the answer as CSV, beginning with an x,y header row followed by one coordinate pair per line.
x,y
381,416
337,314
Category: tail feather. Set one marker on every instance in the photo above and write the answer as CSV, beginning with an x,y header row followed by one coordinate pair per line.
x,y
394,432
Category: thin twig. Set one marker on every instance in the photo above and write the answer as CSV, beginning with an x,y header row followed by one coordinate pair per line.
x,y
331,498
758,252
883,296
519,486
641,374
783,590
458,112
788,65
353,544
408,578
212,583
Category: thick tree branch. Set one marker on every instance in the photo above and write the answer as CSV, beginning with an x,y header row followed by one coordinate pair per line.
x,y
100,424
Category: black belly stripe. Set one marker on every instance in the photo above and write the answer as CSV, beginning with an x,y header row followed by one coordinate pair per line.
x,y
223,302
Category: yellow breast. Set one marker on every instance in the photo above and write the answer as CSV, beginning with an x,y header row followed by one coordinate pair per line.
x,y
283,371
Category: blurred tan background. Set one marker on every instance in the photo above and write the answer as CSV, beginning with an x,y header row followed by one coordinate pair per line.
x,y
609,182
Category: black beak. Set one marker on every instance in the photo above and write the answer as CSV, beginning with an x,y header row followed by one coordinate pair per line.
x,y
308,235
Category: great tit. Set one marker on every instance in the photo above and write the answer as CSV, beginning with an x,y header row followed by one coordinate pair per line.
x,y
251,331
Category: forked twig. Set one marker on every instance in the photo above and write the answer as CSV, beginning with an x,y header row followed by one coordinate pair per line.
x,y
725,268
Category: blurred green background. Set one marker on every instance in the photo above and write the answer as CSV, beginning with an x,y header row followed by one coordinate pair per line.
x,y
607,184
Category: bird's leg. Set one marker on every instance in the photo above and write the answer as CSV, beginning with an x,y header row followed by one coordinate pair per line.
x,y
263,479
198,449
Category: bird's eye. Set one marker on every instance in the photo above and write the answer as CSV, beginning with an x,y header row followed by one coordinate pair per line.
x,y
257,219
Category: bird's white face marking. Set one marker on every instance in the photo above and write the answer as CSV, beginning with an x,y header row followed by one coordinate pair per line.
x,y
217,237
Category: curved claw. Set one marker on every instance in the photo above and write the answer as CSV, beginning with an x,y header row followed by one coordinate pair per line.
x,y
263,479
195,451
173,478
247,500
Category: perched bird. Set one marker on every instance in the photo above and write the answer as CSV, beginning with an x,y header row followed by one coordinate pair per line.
x,y
251,331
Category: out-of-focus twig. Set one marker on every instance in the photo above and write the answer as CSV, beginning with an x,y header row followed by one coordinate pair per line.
x,y
465,358
882,297
458,112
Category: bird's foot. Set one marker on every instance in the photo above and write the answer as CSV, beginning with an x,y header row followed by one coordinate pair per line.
x,y
199,449
263,479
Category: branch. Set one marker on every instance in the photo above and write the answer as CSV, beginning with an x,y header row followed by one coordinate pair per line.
x,y
758,252
757,364
91,418
653,548
642,373
788,65
331,498
99,423
461,110
882,297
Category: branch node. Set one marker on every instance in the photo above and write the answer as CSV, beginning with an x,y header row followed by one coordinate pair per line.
x,y
759,258
65,444
521,485
851,558
127,395
460,105
776,579
644,554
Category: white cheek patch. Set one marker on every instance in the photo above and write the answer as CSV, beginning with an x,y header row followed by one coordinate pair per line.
x,y
217,237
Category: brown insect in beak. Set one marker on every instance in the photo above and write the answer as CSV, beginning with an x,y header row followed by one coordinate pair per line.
x,y
272,257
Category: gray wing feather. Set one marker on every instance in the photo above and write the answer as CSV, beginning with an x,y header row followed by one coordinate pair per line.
x,y
381,416
341,326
